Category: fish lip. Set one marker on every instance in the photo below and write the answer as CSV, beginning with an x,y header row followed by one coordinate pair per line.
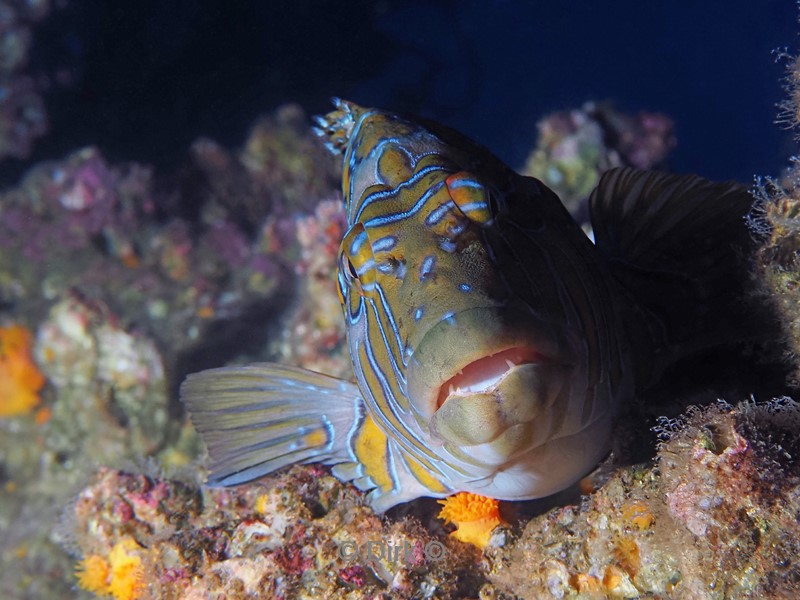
x,y
494,362
468,336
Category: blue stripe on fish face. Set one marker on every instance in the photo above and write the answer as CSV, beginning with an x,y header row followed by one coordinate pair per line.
x,y
438,213
388,193
403,215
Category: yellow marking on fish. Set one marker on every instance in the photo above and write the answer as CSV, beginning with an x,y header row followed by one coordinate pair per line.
x,y
316,438
424,476
371,451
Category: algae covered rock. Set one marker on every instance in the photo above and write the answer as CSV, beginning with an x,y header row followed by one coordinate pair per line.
x,y
302,534
717,517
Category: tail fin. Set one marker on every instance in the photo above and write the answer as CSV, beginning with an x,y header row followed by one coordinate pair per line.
x,y
680,247
259,418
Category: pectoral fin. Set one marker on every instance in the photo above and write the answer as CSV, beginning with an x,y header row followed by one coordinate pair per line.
x,y
259,418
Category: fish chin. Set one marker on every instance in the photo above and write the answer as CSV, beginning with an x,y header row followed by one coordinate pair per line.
x,y
549,468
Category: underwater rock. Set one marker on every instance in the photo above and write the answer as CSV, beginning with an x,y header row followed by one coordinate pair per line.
x,y
280,169
575,147
168,280
314,334
23,117
717,517
106,403
126,301
776,220
281,155
301,534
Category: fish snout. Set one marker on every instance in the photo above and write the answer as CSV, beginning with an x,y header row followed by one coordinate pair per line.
x,y
517,412
488,375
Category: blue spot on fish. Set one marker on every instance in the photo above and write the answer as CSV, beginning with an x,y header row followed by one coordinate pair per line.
x,y
465,287
426,269
438,213
385,243
418,313
447,245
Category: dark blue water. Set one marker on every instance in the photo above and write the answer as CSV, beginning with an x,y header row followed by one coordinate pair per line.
x,y
150,76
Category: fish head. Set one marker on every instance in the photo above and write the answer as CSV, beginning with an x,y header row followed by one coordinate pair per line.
x,y
463,338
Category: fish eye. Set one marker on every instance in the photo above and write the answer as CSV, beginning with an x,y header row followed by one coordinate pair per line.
x,y
356,261
347,268
351,269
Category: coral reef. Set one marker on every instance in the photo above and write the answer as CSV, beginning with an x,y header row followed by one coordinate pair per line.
x,y
776,219
302,534
134,293
23,118
115,283
716,518
170,281
575,147
105,403
314,335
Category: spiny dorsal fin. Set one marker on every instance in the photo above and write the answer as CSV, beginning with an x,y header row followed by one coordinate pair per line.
x,y
679,246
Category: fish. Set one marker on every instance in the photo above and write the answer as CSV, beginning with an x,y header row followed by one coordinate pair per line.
x,y
493,343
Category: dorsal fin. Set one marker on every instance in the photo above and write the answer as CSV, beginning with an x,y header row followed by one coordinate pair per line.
x,y
679,246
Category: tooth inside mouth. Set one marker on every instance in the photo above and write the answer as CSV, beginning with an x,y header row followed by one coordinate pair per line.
x,y
485,373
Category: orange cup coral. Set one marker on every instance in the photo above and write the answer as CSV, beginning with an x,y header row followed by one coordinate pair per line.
x,y
119,576
20,378
474,517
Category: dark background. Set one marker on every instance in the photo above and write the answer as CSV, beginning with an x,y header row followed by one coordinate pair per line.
x,y
147,77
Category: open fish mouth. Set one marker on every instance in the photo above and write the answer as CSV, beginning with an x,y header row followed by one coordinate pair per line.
x,y
486,373
474,352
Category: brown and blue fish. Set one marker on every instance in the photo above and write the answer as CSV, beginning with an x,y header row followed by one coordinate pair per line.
x,y
493,343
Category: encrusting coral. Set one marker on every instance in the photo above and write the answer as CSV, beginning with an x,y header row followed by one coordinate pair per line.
x,y
20,378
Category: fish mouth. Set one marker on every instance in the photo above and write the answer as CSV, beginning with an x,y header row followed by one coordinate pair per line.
x,y
477,349
484,374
